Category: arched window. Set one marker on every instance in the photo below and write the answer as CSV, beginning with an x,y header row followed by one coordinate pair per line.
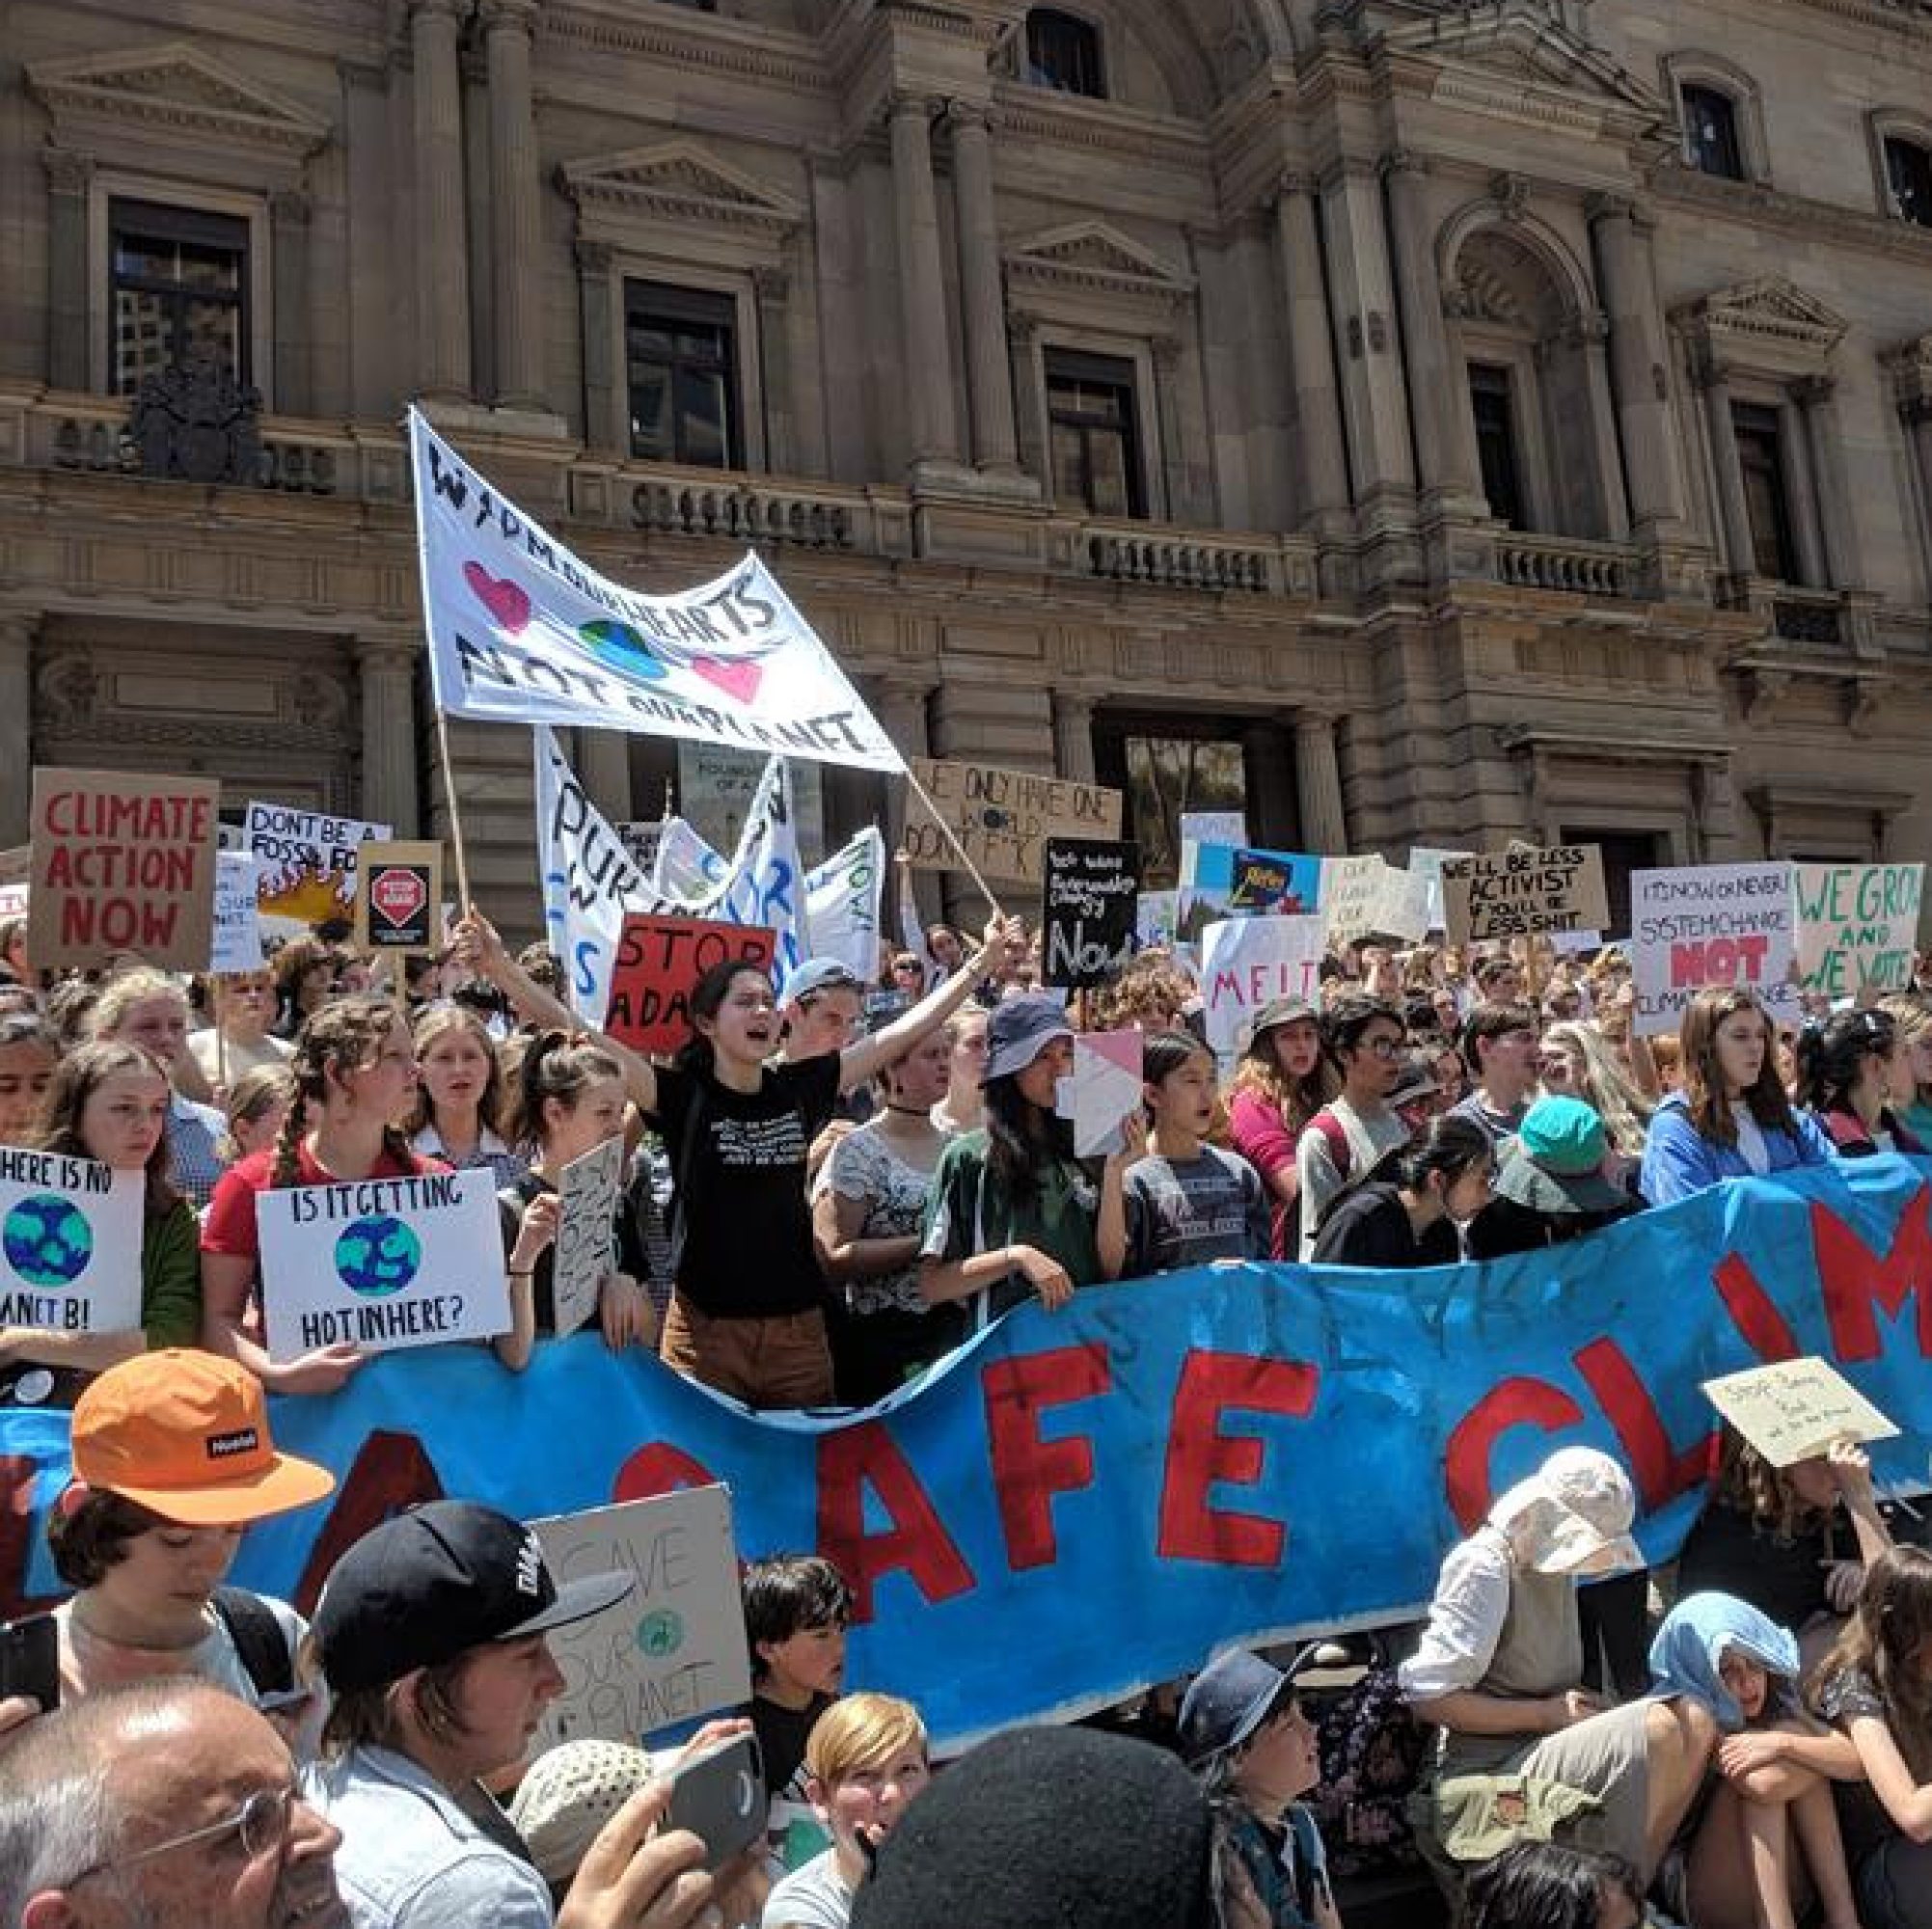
x,y
1063,52
1711,142
1907,178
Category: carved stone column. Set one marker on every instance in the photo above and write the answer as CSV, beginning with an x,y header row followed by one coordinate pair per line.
x,y
1638,359
900,706
1318,402
1073,736
1445,435
988,380
931,419
1734,514
295,327
442,256
1317,783
772,285
516,225
69,176
606,430
1030,415
1814,395
1591,332
1375,391
1918,415
1801,488
391,749
1166,351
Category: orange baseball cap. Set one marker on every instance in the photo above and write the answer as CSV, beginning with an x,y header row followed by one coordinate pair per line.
x,y
185,1434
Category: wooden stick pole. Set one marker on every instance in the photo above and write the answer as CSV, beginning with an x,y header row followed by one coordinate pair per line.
x,y
947,831
455,815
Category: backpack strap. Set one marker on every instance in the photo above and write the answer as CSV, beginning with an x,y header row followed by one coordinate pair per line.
x,y
259,1640
1341,1154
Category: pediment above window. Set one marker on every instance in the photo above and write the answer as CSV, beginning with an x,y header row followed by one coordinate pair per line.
x,y
172,93
1093,256
1769,323
677,181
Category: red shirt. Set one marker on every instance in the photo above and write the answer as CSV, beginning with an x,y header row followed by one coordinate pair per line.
x,y
228,1226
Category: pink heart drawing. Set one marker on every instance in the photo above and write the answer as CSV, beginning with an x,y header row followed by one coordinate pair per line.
x,y
507,601
738,680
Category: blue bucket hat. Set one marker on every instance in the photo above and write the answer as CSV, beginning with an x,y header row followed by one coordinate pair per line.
x,y
1019,1031
1229,1699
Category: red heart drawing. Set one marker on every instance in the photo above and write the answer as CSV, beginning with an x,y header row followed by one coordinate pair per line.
x,y
739,680
507,601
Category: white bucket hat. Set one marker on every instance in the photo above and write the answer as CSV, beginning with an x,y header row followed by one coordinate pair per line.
x,y
1571,1516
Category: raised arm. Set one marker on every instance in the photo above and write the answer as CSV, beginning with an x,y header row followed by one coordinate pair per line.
x,y
479,949
856,1063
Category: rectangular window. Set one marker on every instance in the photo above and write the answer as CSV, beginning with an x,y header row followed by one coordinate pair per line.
x,y
1166,766
178,290
1710,133
1094,434
1494,404
1064,52
1761,457
1908,169
681,365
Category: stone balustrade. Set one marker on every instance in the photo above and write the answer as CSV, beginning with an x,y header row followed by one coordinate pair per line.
x,y
1563,563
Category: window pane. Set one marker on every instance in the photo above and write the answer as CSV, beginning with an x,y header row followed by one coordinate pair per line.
x,y
650,414
681,351
143,338
1908,168
1070,478
212,329
1760,457
1093,432
1490,402
1710,133
1064,52
179,279
701,416
1107,473
1167,775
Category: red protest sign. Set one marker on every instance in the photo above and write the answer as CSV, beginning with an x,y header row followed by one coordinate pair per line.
x,y
121,862
398,888
659,960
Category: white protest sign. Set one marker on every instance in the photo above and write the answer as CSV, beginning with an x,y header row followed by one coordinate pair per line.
x,y
1400,908
308,861
70,1243
842,905
1425,863
688,869
1104,1090
1352,888
587,877
521,630
674,1648
1794,1409
237,925
15,898
382,1264
1247,962
587,1233
1856,926
1155,914
1208,827
1706,927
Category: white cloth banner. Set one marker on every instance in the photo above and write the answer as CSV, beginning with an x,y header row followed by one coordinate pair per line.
x,y
70,1243
1247,962
382,1264
589,881
688,870
521,630
842,905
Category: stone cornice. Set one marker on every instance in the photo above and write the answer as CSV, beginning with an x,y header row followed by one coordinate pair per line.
x,y
681,38
1092,256
1038,114
677,181
1673,186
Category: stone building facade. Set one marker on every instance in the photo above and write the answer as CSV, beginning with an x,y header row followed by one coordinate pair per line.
x,y
1414,422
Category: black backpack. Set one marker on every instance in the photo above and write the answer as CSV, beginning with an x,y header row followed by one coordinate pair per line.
x,y
258,1640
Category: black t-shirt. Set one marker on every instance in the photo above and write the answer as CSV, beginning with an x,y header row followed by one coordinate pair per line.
x,y
1370,1227
1728,1553
783,1734
741,1207
631,1256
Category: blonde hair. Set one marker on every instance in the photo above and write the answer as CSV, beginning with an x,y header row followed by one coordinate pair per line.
x,y
251,1097
1607,1087
435,1024
861,1731
120,995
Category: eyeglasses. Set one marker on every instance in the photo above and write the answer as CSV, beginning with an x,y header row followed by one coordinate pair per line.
x,y
1383,1046
261,1822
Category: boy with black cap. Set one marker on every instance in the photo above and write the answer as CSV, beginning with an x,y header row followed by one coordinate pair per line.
x,y
431,1632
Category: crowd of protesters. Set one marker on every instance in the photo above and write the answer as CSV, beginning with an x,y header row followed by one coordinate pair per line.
x,y
826,1193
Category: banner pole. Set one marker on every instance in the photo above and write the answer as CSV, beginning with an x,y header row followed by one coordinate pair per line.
x,y
947,831
455,816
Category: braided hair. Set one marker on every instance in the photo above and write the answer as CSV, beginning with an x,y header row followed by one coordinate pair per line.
x,y
344,1037
557,1065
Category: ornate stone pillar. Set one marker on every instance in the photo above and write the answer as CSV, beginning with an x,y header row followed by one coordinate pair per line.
x,y
1317,783
1073,736
1445,435
604,764
1374,392
69,176
606,430
1733,530
516,225
1318,402
1800,485
290,393
1918,415
441,257
1838,525
391,751
1637,358
931,419
989,379
1166,351
1030,417
900,706
1591,332
772,287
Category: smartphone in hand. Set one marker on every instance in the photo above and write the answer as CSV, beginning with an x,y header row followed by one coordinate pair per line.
x,y
719,1797
30,1660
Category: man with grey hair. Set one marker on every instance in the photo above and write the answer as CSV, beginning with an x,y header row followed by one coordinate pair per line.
x,y
168,1805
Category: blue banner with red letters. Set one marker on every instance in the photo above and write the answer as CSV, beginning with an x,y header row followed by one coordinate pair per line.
x,y
1081,1504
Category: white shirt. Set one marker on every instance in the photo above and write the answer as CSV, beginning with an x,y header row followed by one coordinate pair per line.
x,y
1465,1619
1750,1146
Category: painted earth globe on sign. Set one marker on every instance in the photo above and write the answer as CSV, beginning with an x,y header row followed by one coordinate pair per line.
x,y
377,1256
47,1240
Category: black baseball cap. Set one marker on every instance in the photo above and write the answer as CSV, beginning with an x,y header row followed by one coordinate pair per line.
x,y
429,1585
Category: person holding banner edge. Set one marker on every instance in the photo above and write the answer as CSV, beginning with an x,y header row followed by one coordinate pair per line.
x,y
747,1307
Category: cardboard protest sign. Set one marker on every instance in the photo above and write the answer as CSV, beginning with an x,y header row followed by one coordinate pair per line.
x,y
1701,927
1281,884
121,862
1856,926
382,1264
674,1647
1087,915
1795,1409
1001,817
70,1243
13,900
586,1232
398,892
1524,892
1247,962
659,962
1352,889
1154,918
521,630
308,861
1104,1089
237,941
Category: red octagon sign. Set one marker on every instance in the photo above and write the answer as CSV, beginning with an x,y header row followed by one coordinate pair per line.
x,y
399,894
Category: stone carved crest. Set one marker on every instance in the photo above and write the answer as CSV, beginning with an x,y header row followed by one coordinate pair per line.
x,y
196,423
